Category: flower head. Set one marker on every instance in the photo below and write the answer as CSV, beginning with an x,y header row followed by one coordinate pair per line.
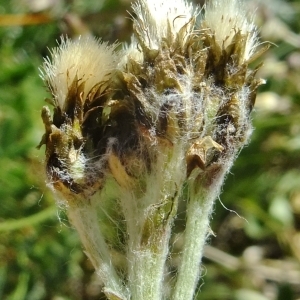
x,y
78,74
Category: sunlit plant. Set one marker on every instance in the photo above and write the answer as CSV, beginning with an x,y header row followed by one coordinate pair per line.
x,y
140,134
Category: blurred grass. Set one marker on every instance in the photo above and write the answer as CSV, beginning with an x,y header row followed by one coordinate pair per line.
x,y
41,257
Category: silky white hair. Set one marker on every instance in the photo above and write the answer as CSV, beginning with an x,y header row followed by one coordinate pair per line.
x,y
88,59
227,17
155,17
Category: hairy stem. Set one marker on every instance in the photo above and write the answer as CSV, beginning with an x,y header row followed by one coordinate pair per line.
x,y
150,230
147,273
85,220
195,236
148,251
198,213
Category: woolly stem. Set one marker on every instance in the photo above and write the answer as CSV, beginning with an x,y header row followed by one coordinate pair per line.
x,y
150,230
147,274
198,212
195,236
84,218
148,252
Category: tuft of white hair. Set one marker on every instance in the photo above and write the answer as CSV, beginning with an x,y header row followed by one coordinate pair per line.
x,y
87,59
131,51
227,17
154,17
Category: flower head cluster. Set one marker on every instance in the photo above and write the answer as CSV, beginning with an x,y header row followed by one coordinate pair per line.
x,y
159,125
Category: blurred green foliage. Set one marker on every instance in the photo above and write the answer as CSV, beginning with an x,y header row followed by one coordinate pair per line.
x,y
41,257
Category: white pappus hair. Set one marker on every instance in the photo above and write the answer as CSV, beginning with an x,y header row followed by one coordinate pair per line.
x,y
155,17
87,58
225,18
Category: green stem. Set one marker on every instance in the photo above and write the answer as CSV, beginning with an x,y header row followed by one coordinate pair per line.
x,y
148,253
32,220
155,211
198,213
195,237
147,274
85,219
